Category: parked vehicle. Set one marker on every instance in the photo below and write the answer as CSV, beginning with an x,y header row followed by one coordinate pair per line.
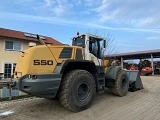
x,y
71,73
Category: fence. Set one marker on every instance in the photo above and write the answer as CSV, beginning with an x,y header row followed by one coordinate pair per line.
x,y
7,89
5,92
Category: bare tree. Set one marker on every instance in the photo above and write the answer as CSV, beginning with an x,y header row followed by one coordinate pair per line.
x,y
110,44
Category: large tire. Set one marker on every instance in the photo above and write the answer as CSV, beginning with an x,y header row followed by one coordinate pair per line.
x,y
77,90
121,84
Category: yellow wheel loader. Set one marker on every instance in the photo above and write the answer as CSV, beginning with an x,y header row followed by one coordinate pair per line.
x,y
74,73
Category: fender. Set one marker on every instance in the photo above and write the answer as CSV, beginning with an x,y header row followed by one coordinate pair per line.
x,y
112,72
60,68
87,62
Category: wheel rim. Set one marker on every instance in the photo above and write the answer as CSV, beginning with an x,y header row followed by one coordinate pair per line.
x,y
124,83
83,91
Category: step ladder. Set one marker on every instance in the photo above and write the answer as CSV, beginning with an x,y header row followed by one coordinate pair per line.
x,y
100,79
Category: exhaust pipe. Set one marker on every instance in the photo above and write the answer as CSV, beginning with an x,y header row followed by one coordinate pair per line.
x,y
40,40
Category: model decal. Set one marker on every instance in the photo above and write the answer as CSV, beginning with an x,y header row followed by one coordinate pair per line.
x,y
42,62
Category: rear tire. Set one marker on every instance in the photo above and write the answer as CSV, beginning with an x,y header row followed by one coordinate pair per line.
x,y
77,90
121,84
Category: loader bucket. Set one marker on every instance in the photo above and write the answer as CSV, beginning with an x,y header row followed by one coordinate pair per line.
x,y
135,82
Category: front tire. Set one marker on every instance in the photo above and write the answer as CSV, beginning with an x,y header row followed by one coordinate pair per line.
x,y
77,90
121,84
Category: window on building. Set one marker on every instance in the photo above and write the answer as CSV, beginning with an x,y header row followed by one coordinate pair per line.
x,y
13,45
9,69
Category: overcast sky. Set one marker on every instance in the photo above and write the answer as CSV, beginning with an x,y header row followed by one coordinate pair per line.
x,y
133,24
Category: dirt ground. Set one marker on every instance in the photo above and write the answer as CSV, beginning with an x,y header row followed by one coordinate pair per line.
x,y
139,105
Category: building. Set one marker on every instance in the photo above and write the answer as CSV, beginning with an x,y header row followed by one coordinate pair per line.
x,y
12,43
147,54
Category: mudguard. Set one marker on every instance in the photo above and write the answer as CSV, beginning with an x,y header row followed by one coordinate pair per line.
x,y
112,72
111,75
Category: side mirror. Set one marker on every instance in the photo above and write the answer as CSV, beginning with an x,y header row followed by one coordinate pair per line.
x,y
104,43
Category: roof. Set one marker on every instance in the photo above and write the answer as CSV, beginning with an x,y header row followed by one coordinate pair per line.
x,y
136,55
25,36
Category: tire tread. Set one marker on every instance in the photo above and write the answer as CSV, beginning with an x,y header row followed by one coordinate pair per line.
x,y
115,90
63,95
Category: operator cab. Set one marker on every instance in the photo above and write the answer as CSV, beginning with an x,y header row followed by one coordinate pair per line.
x,y
91,43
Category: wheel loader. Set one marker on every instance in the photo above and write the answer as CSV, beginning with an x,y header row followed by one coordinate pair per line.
x,y
73,74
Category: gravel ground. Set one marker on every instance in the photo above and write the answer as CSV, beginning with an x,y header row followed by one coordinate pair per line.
x,y
140,105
